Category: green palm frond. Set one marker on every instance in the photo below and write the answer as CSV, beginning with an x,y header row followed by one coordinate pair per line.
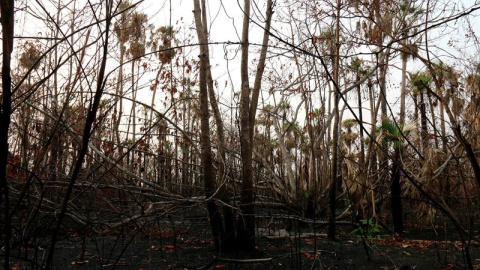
x,y
420,80
391,132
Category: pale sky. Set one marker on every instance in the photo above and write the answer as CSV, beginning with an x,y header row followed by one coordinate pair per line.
x,y
225,25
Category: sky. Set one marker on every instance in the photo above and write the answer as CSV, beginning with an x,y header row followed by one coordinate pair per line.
x,y
225,18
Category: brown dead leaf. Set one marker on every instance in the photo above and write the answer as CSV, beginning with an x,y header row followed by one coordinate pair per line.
x,y
309,256
78,262
154,248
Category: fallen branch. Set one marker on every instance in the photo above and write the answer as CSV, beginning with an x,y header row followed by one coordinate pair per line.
x,y
286,235
306,220
259,260
236,261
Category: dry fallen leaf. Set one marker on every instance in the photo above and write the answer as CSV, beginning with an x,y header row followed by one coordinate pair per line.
x,y
74,262
154,248
309,256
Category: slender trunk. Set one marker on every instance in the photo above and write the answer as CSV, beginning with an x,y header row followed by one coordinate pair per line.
x,y
371,158
360,118
383,161
225,193
246,226
185,189
433,121
55,151
205,143
133,112
403,87
382,58
395,192
444,179
336,121
25,145
361,159
395,187
119,107
154,94
442,128
423,122
7,19
416,116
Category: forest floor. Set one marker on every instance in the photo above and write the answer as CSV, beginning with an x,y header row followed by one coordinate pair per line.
x,y
188,245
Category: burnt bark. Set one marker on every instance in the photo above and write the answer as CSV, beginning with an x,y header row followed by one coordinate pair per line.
x,y
7,20
248,107
205,142
395,193
246,223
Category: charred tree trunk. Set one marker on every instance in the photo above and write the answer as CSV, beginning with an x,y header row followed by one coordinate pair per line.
x,y
395,193
246,223
423,122
248,108
7,19
205,143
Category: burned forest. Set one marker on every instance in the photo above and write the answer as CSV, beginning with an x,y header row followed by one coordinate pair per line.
x,y
249,134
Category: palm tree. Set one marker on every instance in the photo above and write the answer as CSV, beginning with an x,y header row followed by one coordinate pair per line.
x,y
408,14
393,134
120,27
136,33
420,83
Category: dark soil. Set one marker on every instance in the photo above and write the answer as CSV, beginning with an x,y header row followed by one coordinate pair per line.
x,y
187,244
